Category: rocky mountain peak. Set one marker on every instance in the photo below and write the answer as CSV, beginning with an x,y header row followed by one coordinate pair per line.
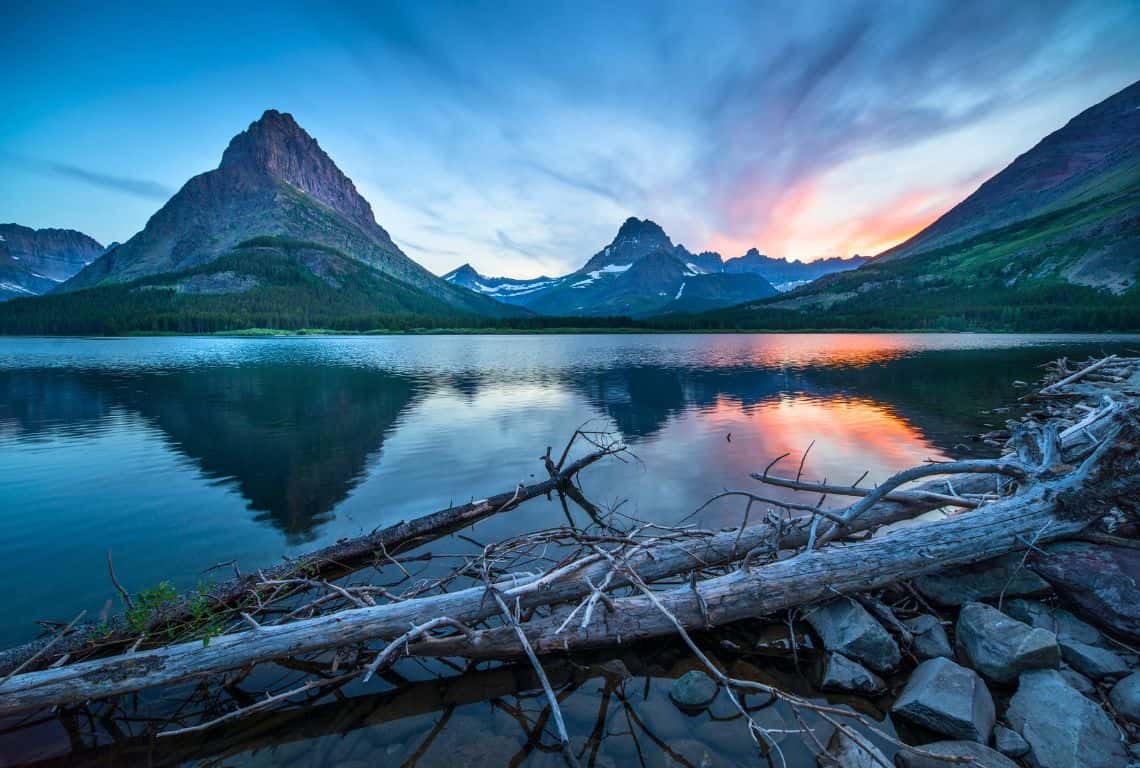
x,y
276,146
642,229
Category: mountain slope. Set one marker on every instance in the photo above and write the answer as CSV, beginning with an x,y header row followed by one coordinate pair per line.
x,y
35,261
266,282
505,289
274,180
1094,156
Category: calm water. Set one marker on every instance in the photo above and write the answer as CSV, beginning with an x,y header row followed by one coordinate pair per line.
x,y
179,453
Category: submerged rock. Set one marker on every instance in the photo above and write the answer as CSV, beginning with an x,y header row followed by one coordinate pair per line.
x,y
842,674
1009,742
1125,697
1097,663
1101,580
845,627
1060,622
849,753
980,756
949,699
1063,728
930,639
982,580
1000,647
693,690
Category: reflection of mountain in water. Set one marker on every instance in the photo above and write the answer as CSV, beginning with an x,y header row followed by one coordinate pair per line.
x,y
294,439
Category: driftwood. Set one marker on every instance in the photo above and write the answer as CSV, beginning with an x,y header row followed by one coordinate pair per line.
x,y
333,561
1065,471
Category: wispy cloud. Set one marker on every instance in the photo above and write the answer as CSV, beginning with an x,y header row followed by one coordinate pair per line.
x,y
138,187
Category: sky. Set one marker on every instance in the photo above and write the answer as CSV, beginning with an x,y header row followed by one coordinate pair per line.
x,y
518,136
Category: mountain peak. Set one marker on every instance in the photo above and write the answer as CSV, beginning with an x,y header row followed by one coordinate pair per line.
x,y
634,227
275,145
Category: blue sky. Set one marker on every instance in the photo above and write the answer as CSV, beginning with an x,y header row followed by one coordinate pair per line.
x,y
518,136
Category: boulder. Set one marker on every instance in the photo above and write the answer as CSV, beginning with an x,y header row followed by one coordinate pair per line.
x,y
1063,728
930,639
1078,681
693,690
845,627
1125,697
1060,622
1000,647
1102,581
983,580
849,753
1009,742
980,756
948,699
842,674
1097,663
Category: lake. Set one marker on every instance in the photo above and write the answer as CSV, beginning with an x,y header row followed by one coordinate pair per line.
x,y
177,454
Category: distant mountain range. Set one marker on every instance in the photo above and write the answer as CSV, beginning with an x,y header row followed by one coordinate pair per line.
x,y
35,261
642,273
277,236
1052,241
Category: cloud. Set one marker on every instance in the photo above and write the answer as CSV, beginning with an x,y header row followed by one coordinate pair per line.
x,y
144,188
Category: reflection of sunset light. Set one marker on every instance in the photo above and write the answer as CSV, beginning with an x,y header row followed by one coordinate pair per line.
x,y
796,350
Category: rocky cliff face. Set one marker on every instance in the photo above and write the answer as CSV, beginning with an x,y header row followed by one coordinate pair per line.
x,y
34,261
274,180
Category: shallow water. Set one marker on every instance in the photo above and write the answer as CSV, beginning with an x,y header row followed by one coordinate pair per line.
x,y
180,453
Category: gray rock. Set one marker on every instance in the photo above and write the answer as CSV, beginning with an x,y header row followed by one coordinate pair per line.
x,y
1078,681
1000,647
980,755
1060,622
842,674
1063,728
693,690
949,699
1102,581
845,627
930,639
982,580
1009,742
1125,697
1097,663
851,754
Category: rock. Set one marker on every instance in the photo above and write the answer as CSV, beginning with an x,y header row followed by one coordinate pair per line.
x,y
842,674
849,753
1001,648
1009,742
1063,728
930,639
949,699
1097,663
845,627
1125,697
980,755
1101,580
982,580
692,753
1078,681
693,690
1060,622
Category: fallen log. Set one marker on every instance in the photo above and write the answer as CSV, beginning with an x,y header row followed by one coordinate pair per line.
x,y
330,562
1050,511
1053,500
